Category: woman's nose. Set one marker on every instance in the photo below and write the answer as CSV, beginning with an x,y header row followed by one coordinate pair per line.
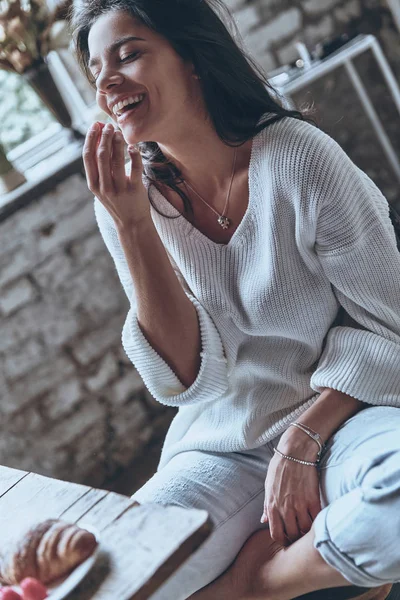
x,y
107,80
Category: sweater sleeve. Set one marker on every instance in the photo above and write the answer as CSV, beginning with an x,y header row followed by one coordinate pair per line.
x,y
157,375
356,246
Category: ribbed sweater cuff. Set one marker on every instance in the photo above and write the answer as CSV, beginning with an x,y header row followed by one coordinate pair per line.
x,y
159,378
361,364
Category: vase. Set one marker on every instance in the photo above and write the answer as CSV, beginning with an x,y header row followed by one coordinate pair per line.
x,y
41,80
10,178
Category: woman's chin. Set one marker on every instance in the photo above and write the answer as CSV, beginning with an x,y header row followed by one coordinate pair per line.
x,y
133,137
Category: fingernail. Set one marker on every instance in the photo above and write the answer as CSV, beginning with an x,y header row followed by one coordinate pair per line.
x,y
263,519
95,126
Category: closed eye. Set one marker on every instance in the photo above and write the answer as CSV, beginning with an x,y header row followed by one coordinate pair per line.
x,y
129,56
94,76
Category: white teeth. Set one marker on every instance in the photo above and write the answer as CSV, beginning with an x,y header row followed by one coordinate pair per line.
x,y
131,100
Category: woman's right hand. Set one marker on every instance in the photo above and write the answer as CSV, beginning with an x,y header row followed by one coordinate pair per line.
x,y
124,196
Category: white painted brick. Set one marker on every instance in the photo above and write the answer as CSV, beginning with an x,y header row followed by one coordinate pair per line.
x,y
54,322
256,44
97,288
54,271
11,334
43,403
50,464
316,33
56,204
60,326
26,421
88,248
94,345
24,358
67,229
348,11
47,376
131,433
16,296
246,19
64,433
12,447
4,386
127,387
52,207
105,301
283,26
63,399
16,263
90,447
132,419
105,372
10,234
317,7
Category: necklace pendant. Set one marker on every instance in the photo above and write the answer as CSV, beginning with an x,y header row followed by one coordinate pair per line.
x,y
224,222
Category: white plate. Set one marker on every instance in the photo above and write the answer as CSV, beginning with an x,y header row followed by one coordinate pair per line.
x,y
63,587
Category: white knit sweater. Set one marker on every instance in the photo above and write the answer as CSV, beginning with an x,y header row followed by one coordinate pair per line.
x,y
316,235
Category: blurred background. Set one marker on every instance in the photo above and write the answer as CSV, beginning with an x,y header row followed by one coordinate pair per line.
x,y
72,405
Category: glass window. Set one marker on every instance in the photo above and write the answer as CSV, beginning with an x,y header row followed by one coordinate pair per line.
x,y
22,114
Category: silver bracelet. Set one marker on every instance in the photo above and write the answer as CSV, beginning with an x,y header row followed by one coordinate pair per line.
x,y
302,462
313,435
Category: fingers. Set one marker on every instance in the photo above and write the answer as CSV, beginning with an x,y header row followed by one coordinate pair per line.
x,y
136,165
104,152
89,156
118,160
304,522
290,526
276,527
314,508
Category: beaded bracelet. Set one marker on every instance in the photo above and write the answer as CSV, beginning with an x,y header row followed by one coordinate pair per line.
x,y
302,462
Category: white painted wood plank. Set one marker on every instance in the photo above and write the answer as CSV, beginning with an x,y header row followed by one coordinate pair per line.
x,y
140,550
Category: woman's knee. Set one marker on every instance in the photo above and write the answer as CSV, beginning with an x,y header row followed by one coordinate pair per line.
x,y
381,483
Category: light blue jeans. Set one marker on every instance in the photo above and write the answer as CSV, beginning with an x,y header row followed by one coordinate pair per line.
x,y
357,530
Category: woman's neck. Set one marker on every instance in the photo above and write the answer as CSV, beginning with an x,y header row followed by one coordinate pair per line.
x,y
204,160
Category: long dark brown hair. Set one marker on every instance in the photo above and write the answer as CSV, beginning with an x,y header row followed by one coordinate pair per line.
x,y
238,97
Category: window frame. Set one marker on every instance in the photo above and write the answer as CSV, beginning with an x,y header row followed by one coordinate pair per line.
x,y
55,137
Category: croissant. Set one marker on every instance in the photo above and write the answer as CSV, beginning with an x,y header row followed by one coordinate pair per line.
x,y
48,551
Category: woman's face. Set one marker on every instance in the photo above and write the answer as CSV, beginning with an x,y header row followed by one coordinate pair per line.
x,y
146,69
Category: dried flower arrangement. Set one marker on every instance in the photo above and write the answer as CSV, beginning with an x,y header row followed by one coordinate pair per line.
x,y
28,31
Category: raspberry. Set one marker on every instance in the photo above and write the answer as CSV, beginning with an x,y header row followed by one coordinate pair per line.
x,y
33,589
7,593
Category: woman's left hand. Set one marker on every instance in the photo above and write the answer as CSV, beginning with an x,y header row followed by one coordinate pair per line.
x,y
292,499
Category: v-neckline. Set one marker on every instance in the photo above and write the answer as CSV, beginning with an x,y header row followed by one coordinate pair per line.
x,y
240,229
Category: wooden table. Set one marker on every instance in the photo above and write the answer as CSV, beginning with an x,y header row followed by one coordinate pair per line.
x,y
140,545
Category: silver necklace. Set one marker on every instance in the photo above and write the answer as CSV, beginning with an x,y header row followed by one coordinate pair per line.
x,y
222,218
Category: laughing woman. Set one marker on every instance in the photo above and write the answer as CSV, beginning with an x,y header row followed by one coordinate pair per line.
x,y
242,235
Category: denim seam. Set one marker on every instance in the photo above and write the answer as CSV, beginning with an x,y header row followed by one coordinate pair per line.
x,y
239,509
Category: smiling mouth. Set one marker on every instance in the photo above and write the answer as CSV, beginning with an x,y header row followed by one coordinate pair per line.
x,y
127,108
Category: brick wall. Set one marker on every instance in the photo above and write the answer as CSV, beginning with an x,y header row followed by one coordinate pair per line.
x,y
72,405
270,29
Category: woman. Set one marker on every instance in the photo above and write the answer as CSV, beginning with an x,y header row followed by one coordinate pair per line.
x,y
247,237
